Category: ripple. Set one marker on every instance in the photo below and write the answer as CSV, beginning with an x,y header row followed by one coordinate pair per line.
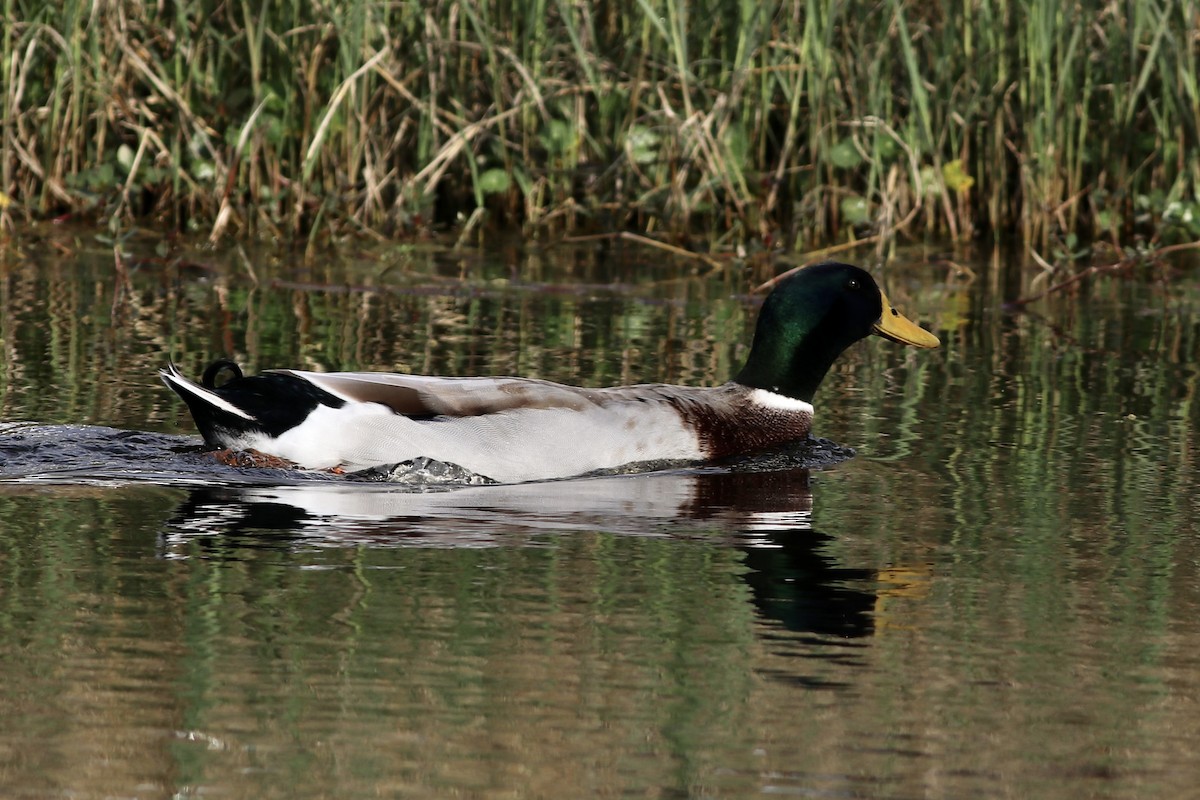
x,y
97,455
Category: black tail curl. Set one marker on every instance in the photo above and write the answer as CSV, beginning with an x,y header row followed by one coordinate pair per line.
x,y
214,370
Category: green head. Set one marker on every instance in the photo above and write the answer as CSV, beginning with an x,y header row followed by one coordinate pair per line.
x,y
810,318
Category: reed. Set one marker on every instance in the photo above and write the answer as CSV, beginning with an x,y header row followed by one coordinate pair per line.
x,y
792,121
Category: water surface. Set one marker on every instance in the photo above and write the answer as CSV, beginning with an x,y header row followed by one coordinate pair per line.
x,y
996,597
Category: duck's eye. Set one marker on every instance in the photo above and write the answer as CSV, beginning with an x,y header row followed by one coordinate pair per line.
x,y
853,284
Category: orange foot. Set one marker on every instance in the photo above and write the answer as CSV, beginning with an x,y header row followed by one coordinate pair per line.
x,y
251,458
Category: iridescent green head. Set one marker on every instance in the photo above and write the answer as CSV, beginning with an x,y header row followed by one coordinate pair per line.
x,y
810,318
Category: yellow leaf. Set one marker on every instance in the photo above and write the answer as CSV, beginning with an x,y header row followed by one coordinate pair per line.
x,y
956,178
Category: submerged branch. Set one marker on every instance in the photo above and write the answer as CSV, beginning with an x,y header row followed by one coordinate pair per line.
x,y
1104,269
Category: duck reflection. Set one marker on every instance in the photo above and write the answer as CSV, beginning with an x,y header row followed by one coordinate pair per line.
x,y
792,579
766,515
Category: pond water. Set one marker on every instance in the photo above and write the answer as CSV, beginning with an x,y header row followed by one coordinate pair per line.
x,y
997,596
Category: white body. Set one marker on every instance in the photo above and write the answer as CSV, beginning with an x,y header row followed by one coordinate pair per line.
x,y
507,429
509,446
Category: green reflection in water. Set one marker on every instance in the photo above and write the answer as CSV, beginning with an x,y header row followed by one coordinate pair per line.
x,y
471,671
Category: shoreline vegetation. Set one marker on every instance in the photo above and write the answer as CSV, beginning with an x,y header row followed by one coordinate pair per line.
x,y
712,125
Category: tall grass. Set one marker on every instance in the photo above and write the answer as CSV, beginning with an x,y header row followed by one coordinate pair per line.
x,y
761,122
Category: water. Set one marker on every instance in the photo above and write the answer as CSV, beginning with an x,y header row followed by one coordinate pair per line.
x,y
995,597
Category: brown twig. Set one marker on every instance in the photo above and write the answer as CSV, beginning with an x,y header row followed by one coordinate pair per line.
x,y
648,242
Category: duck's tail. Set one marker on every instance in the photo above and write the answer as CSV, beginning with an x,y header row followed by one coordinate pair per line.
x,y
218,419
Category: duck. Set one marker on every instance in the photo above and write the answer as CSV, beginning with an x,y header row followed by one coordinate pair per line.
x,y
513,430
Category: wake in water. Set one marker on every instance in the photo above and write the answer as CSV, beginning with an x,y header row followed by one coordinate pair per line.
x,y
90,454
36,453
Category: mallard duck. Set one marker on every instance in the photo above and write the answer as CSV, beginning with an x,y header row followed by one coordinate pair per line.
x,y
521,429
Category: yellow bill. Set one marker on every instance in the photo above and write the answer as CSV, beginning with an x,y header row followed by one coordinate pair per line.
x,y
899,328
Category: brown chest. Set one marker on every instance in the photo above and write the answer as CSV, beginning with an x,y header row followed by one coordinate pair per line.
x,y
728,430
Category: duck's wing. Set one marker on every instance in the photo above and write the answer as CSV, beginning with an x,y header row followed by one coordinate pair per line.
x,y
424,395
